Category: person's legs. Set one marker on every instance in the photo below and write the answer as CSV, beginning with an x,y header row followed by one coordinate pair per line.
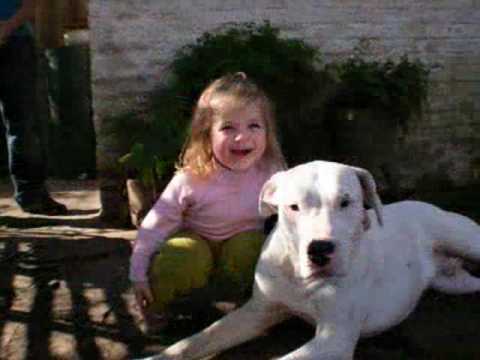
x,y
183,263
237,262
24,132
187,264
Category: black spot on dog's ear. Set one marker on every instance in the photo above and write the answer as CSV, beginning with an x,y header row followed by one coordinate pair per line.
x,y
269,224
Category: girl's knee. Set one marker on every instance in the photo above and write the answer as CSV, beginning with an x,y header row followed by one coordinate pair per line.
x,y
183,263
239,257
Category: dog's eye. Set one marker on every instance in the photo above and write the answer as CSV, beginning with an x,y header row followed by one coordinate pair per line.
x,y
294,207
344,203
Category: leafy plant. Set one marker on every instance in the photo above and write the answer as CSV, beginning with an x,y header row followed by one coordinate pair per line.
x,y
289,70
399,87
154,138
274,62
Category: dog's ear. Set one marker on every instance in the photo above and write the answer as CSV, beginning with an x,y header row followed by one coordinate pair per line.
x,y
269,198
370,196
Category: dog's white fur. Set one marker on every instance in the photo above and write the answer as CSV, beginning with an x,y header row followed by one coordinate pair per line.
x,y
382,262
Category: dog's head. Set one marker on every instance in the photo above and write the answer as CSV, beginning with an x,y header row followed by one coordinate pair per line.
x,y
321,209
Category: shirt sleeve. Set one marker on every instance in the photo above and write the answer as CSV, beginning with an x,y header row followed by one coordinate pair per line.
x,y
164,219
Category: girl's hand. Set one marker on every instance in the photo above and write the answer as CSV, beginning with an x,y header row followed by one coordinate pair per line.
x,y
143,294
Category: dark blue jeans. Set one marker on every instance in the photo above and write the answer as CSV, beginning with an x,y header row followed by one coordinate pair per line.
x,y
24,131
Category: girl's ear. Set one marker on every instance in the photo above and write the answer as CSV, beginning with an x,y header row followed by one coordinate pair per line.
x,y
269,196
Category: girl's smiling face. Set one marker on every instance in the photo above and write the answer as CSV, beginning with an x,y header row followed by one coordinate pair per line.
x,y
239,137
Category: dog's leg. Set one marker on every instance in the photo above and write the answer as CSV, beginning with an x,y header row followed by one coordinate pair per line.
x,y
453,279
461,283
458,235
239,326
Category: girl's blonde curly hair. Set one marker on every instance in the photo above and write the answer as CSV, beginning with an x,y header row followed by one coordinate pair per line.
x,y
226,93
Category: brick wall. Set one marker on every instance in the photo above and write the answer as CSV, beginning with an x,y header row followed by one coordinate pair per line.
x,y
133,42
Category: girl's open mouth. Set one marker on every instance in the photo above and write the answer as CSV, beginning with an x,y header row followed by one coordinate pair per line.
x,y
241,152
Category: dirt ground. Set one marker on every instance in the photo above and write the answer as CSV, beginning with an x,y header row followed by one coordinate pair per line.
x,y
64,294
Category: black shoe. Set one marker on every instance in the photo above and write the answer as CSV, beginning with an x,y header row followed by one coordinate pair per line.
x,y
47,206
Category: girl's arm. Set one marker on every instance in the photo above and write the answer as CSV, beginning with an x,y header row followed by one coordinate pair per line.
x,y
164,219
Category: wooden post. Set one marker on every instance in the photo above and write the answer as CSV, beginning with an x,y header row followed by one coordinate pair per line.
x,y
49,23
76,14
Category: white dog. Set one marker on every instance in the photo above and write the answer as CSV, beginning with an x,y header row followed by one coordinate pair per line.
x,y
349,271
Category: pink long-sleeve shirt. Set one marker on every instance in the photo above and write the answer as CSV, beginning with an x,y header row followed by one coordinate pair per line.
x,y
216,208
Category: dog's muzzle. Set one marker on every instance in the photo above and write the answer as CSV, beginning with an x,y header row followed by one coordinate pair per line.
x,y
319,252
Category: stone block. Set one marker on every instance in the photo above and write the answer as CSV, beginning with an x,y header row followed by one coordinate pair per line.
x,y
467,73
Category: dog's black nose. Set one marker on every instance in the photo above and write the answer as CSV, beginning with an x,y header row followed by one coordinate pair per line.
x,y
318,252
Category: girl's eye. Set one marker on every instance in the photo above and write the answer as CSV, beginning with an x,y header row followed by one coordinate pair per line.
x,y
255,126
226,128
344,203
294,207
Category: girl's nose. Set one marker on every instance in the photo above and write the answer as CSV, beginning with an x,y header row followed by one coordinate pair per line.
x,y
240,135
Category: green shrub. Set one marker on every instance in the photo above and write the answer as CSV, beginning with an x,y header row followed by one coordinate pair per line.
x,y
399,87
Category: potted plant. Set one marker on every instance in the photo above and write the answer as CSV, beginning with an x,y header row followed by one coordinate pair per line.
x,y
154,138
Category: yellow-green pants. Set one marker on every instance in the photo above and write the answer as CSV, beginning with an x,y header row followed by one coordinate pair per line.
x,y
186,262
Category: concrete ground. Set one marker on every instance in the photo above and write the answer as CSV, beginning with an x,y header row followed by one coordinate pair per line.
x,y
64,290
64,294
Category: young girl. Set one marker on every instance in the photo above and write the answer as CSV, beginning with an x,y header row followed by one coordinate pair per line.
x,y
206,221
